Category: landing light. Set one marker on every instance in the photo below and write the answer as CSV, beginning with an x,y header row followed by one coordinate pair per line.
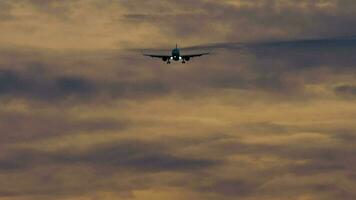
x,y
171,58
180,58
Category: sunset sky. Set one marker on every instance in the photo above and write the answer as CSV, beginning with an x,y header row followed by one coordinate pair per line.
x,y
269,115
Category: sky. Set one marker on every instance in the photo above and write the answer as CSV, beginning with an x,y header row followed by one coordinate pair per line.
x,y
269,115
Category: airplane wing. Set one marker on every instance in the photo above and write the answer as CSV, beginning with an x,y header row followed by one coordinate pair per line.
x,y
187,56
157,56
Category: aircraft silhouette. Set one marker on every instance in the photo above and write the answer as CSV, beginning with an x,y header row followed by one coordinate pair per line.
x,y
175,55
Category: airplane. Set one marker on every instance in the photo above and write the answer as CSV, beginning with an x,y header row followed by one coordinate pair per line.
x,y
176,56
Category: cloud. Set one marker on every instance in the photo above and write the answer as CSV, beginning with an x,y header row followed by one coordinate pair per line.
x,y
58,88
209,21
243,21
108,161
54,8
32,127
13,83
136,155
127,154
5,11
233,187
345,90
263,117
296,54
68,85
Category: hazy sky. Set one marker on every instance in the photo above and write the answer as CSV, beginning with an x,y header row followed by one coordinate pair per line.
x,y
83,117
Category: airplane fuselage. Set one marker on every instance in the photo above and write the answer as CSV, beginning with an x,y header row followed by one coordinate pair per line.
x,y
176,54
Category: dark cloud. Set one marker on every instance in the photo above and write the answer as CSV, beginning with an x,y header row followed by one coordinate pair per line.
x,y
275,66
24,127
136,155
267,128
345,135
315,167
232,187
56,8
262,20
54,88
67,85
296,54
282,66
150,157
10,82
124,158
17,84
138,88
318,158
5,11
346,90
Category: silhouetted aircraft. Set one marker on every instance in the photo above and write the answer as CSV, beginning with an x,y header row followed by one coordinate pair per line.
x,y
175,55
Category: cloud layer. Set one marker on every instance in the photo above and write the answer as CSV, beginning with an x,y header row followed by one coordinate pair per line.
x,y
269,115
